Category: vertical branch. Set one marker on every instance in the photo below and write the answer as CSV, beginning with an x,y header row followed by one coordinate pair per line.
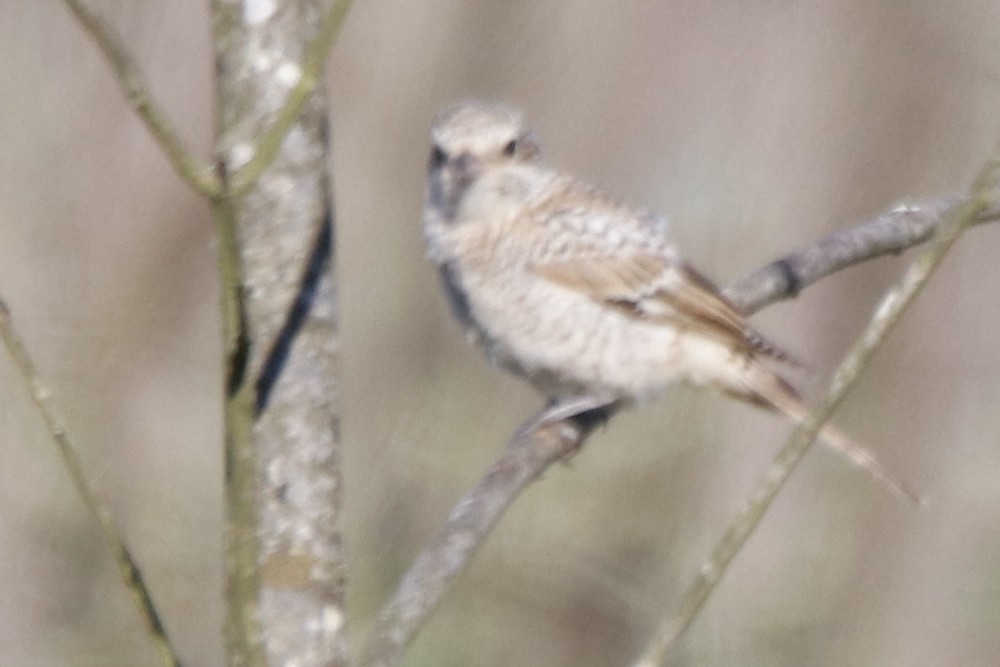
x,y
242,584
285,579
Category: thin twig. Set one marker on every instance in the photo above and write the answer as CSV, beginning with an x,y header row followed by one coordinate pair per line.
x,y
311,69
200,176
477,512
243,584
128,570
887,314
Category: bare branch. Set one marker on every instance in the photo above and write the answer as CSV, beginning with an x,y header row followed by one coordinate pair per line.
x,y
887,234
127,568
200,176
530,454
886,315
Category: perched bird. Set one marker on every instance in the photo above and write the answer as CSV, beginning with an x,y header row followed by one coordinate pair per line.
x,y
582,296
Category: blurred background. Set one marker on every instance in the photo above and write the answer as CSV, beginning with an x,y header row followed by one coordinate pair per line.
x,y
757,127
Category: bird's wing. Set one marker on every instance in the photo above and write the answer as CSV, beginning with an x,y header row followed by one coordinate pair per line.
x,y
625,262
649,288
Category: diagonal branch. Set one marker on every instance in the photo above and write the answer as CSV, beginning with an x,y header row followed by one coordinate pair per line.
x,y
887,314
311,69
127,568
890,233
530,453
200,176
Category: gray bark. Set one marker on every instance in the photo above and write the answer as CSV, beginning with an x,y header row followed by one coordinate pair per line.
x,y
284,237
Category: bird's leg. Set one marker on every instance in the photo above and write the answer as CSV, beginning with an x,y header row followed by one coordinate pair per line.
x,y
577,408
584,412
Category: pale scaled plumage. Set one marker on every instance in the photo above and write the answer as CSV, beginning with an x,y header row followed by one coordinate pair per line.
x,y
578,293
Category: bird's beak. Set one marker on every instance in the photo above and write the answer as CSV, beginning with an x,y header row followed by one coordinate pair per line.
x,y
467,167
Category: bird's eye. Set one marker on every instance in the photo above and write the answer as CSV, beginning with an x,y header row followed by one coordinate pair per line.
x,y
438,158
510,147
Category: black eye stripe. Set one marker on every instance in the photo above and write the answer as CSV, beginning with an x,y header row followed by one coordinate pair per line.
x,y
438,157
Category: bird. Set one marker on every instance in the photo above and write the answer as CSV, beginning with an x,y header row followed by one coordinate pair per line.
x,y
583,296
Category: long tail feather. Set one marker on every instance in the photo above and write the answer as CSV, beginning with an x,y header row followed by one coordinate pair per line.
x,y
774,391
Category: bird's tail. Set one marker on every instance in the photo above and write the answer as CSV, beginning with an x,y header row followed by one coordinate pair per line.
x,y
768,388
